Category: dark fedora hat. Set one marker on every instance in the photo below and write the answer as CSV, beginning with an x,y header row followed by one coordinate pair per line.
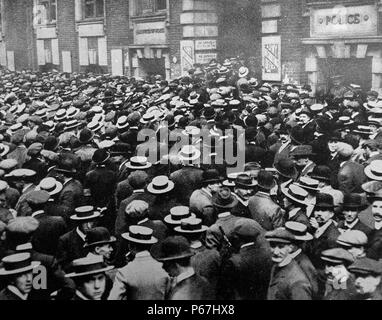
x,y
98,236
172,248
265,180
89,265
244,181
100,156
224,199
324,201
321,173
286,168
211,176
353,201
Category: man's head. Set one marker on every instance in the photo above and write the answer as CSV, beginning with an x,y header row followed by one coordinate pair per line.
x,y
22,281
376,207
99,242
367,274
324,209
282,243
92,286
211,180
354,241
336,261
351,207
244,186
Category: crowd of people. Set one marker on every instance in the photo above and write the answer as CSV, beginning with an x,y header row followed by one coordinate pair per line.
x,y
210,186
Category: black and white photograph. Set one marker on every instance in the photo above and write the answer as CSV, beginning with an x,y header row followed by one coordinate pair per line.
x,y
208,151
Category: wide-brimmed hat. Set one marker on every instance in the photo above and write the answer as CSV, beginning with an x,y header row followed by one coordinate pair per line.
x,y
299,230
353,201
265,180
4,149
244,181
308,183
17,263
85,213
100,156
177,214
140,234
172,248
286,168
95,126
138,163
98,236
189,153
72,124
160,185
224,199
296,193
211,176
374,170
122,122
191,225
243,72
50,185
89,265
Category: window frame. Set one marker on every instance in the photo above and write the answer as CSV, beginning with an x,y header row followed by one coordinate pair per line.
x,y
48,17
95,16
137,10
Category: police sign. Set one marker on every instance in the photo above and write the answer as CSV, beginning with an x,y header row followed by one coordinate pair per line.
x,y
344,21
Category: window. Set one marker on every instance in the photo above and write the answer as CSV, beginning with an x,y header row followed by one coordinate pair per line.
x,y
93,9
47,11
93,50
48,51
143,7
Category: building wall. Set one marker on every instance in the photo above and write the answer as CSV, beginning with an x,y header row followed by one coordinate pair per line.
x,y
18,33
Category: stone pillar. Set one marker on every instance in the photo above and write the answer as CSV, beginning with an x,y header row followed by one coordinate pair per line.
x,y
199,22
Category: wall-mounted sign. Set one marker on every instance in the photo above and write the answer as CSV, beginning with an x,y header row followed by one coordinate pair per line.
x,y
205,45
187,55
205,58
150,33
271,58
344,21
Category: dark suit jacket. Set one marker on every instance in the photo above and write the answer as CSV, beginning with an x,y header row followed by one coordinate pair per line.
x,y
192,288
283,154
289,283
50,229
351,176
326,241
360,226
206,263
102,184
71,196
246,275
310,271
70,247
186,180
7,295
374,250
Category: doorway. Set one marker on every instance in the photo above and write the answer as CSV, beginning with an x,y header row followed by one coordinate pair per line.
x,y
151,67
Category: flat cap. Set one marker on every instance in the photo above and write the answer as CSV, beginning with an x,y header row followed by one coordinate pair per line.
x,y
280,235
34,149
24,225
22,173
8,164
247,229
337,256
366,266
37,197
352,238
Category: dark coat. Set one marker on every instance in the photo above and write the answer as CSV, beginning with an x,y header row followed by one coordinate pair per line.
x,y
360,226
7,295
310,271
192,288
374,250
265,211
71,196
70,247
246,275
50,229
350,177
326,241
289,283
186,180
38,165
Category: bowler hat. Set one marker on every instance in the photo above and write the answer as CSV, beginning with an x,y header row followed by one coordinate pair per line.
x,y
286,168
224,199
172,248
100,156
89,265
321,173
352,201
86,136
17,263
211,176
324,201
